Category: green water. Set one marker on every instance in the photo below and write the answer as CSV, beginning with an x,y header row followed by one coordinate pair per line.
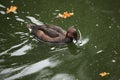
x,y
22,57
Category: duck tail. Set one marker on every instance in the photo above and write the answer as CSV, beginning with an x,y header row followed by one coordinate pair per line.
x,y
29,26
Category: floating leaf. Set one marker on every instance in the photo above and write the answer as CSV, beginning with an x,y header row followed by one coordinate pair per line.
x,y
103,74
65,15
11,9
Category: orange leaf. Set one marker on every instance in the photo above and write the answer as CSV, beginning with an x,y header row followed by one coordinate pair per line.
x,y
103,74
65,15
11,9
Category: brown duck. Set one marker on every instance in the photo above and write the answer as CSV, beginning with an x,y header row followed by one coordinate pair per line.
x,y
53,34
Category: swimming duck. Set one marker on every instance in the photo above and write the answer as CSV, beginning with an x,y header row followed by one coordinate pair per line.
x,y
53,34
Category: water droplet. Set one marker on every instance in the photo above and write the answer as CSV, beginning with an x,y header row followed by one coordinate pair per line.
x,y
2,12
8,18
97,24
95,47
99,51
113,61
52,48
110,26
12,1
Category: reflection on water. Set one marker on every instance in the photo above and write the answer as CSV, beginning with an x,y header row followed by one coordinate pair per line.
x,y
2,12
20,19
2,6
11,70
13,47
53,49
33,68
35,21
99,51
63,76
21,51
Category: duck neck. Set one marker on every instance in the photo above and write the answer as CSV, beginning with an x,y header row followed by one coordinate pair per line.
x,y
68,39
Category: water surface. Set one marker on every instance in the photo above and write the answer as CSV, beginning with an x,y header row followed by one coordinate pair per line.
x,y
22,57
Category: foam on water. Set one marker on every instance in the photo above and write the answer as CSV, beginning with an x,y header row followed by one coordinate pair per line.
x,y
81,41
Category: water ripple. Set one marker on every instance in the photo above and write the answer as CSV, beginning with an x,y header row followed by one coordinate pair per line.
x,y
11,70
63,76
21,51
2,6
35,21
81,41
13,47
36,67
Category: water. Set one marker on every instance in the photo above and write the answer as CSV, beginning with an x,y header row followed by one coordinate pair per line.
x,y
22,57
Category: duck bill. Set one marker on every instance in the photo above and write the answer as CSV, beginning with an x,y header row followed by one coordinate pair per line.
x,y
75,40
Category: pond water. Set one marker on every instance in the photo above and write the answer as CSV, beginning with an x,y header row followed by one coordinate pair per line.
x,y
22,57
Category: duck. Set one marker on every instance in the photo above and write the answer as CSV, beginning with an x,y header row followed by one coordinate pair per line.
x,y
53,34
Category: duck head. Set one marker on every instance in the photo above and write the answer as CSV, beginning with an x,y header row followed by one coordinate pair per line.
x,y
72,33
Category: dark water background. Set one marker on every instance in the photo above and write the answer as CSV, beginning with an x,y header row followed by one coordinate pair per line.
x,y
24,58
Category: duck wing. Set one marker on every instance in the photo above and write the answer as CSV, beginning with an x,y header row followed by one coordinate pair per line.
x,y
56,28
49,31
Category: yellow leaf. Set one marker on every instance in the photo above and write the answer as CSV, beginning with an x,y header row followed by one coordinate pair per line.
x,y
103,74
65,15
11,9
